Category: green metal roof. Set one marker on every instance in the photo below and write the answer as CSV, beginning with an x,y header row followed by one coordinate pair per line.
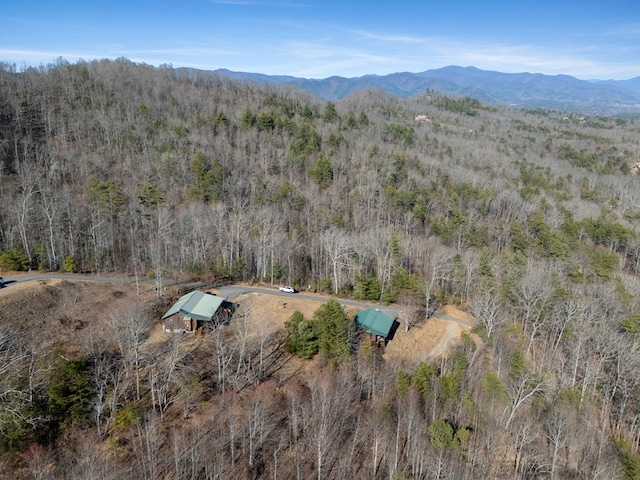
x,y
376,321
197,304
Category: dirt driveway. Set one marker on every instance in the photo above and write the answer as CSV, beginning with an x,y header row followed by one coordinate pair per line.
x,y
427,341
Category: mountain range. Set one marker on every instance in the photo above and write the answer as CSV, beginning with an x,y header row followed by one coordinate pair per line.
x,y
524,90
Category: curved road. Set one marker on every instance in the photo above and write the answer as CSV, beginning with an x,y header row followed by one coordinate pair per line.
x,y
229,291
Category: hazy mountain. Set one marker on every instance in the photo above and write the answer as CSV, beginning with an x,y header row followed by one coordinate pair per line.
x,y
530,90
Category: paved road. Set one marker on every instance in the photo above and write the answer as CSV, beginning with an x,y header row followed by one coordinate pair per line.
x,y
232,291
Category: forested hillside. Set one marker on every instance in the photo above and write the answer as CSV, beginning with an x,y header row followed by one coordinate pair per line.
x,y
526,219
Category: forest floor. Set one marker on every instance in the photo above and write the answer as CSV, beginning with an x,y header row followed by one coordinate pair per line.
x,y
61,312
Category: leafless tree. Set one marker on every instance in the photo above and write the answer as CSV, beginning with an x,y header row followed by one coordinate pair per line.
x,y
522,390
556,432
534,296
130,328
338,246
488,309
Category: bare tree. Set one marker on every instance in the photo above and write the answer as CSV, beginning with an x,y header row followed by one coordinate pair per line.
x,y
130,327
556,431
50,207
522,389
525,435
534,296
488,309
409,301
166,371
437,269
107,379
27,191
338,246
223,352
241,332
159,244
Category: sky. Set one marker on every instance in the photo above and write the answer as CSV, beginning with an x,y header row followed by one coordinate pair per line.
x,y
588,39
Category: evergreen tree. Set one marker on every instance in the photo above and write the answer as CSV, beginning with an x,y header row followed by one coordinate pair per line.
x,y
335,330
322,172
422,377
302,341
330,113
205,176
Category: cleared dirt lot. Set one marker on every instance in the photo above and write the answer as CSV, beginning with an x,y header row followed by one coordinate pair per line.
x,y
65,312
426,341
73,312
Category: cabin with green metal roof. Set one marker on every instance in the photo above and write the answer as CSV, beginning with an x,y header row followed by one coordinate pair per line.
x,y
375,323
192,310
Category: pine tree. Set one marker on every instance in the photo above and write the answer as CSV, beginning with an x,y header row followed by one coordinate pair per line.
x,y
334,330
302,341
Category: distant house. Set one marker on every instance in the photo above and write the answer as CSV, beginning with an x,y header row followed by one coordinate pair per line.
x,y
375,323
195,310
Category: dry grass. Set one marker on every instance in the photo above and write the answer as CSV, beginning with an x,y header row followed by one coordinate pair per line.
x,y
65,312
456,312
427,341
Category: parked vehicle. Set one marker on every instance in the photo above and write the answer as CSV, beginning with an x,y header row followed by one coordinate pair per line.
x,y
287,289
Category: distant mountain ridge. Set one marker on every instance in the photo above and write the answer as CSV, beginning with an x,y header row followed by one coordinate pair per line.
x,y
528,90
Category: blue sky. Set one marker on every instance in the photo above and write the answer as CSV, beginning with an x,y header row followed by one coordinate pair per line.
x,y
317,39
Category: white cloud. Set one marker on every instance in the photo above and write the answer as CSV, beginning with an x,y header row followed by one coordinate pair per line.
x,y
626,31
403,39
320,50
35,57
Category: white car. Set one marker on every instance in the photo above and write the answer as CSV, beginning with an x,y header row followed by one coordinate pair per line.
x,y
287,289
